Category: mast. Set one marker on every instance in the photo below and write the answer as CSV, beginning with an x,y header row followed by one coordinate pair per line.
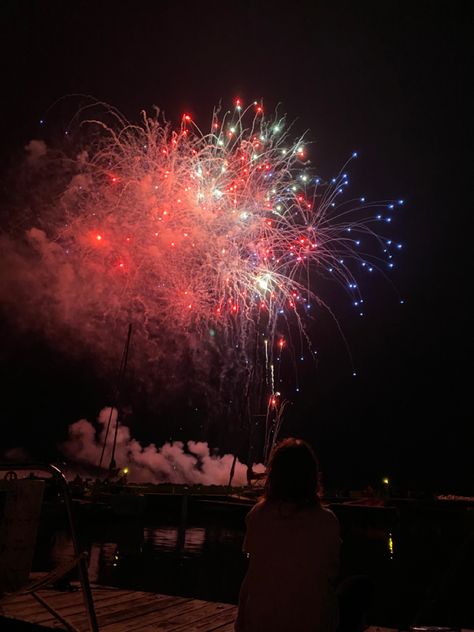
x,y
118,389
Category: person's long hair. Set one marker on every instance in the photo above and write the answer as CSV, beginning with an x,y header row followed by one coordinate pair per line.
x,y
293,474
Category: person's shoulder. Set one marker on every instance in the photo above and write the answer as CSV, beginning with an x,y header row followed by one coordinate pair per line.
x,y
260,507
327,517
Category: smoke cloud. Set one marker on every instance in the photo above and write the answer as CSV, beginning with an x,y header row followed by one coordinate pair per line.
x,y
180,463
35,150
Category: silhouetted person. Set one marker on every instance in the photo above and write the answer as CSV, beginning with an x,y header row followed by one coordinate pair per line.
x,y
293,545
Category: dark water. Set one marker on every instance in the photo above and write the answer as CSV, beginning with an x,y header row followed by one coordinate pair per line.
x,y
420,558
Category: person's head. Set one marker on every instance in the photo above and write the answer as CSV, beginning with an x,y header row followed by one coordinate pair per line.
x,y
293,473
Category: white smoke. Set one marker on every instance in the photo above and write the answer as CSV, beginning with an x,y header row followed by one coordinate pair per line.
x,y
35,149
175,462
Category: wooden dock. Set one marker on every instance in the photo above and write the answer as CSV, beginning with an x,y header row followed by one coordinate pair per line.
x,y
124,611
128,611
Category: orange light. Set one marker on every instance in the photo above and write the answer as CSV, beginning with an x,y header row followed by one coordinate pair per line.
x,y
99,237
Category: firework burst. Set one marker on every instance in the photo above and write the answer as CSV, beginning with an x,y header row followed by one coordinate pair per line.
x,y
210,241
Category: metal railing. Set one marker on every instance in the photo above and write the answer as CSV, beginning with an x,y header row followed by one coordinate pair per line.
x,y
59,477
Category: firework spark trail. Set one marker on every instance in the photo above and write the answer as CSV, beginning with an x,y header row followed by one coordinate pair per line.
x,y
212,240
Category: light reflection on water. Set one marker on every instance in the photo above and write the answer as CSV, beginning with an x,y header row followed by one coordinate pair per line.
x,y
194,540
204,562
165,538
186,542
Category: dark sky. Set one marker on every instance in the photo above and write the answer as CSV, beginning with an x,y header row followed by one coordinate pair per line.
x,y
389,79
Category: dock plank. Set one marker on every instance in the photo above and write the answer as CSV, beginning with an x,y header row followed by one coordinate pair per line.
x,y
109,606
226,627
159,620
202,611
60,597
30,610
215,616
210,620
128,618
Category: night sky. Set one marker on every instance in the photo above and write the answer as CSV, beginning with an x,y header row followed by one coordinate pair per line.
x,y
390,80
